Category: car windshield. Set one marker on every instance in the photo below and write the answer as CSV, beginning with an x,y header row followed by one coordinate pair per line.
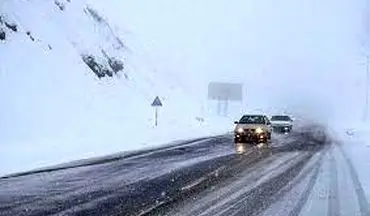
x,y
280,118
252,119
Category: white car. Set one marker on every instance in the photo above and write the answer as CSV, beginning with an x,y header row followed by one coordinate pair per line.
x,y
281,123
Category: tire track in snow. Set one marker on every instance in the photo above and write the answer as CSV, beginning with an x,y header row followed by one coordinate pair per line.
x,y
235,165
360,193
333,199
307,191
259,198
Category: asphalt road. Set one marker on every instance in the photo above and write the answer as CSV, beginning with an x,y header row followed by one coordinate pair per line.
x,y
198,177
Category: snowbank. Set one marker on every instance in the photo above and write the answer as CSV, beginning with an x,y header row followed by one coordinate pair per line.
x,y
354,139
19,157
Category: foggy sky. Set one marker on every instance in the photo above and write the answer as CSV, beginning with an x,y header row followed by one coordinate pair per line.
x,y
288,53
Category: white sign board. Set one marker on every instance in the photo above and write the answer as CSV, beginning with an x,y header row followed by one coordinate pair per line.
x,y
225,91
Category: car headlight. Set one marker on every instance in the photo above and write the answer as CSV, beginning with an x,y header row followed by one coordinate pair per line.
x,y
259,130
240,130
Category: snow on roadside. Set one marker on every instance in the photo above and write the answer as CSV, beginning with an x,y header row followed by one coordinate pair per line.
x,y
21,157
354,139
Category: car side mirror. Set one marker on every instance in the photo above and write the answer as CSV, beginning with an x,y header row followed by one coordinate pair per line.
x,y
236,122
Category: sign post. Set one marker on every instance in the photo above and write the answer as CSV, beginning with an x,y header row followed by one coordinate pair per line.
x,y
156,104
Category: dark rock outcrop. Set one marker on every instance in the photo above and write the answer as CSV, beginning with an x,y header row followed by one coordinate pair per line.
x,y
2,34
11,26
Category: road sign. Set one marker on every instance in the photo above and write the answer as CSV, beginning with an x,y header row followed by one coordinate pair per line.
x,y
223,93
156,103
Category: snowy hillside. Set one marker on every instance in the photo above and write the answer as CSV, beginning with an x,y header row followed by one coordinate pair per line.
x,y
72,86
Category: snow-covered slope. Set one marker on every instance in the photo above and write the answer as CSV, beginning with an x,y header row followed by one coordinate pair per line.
x,y
73,86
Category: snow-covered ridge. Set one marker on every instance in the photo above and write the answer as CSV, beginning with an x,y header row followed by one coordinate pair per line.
x,y
102,50
72,86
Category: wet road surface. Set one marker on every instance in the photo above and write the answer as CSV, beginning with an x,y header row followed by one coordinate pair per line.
x,y
198,177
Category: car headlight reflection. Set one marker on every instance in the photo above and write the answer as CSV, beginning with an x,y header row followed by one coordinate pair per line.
x,y
259,130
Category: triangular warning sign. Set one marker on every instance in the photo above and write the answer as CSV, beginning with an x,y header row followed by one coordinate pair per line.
x,y
157,102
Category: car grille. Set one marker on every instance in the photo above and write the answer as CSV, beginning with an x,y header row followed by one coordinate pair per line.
x,y
249,130
281,129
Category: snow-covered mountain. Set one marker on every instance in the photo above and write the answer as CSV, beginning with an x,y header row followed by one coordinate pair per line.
x,y
73,85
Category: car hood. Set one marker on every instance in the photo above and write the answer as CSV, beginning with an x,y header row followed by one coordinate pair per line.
x,y
251,126
281,123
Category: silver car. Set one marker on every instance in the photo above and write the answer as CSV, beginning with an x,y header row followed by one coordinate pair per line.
x,y
252,129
